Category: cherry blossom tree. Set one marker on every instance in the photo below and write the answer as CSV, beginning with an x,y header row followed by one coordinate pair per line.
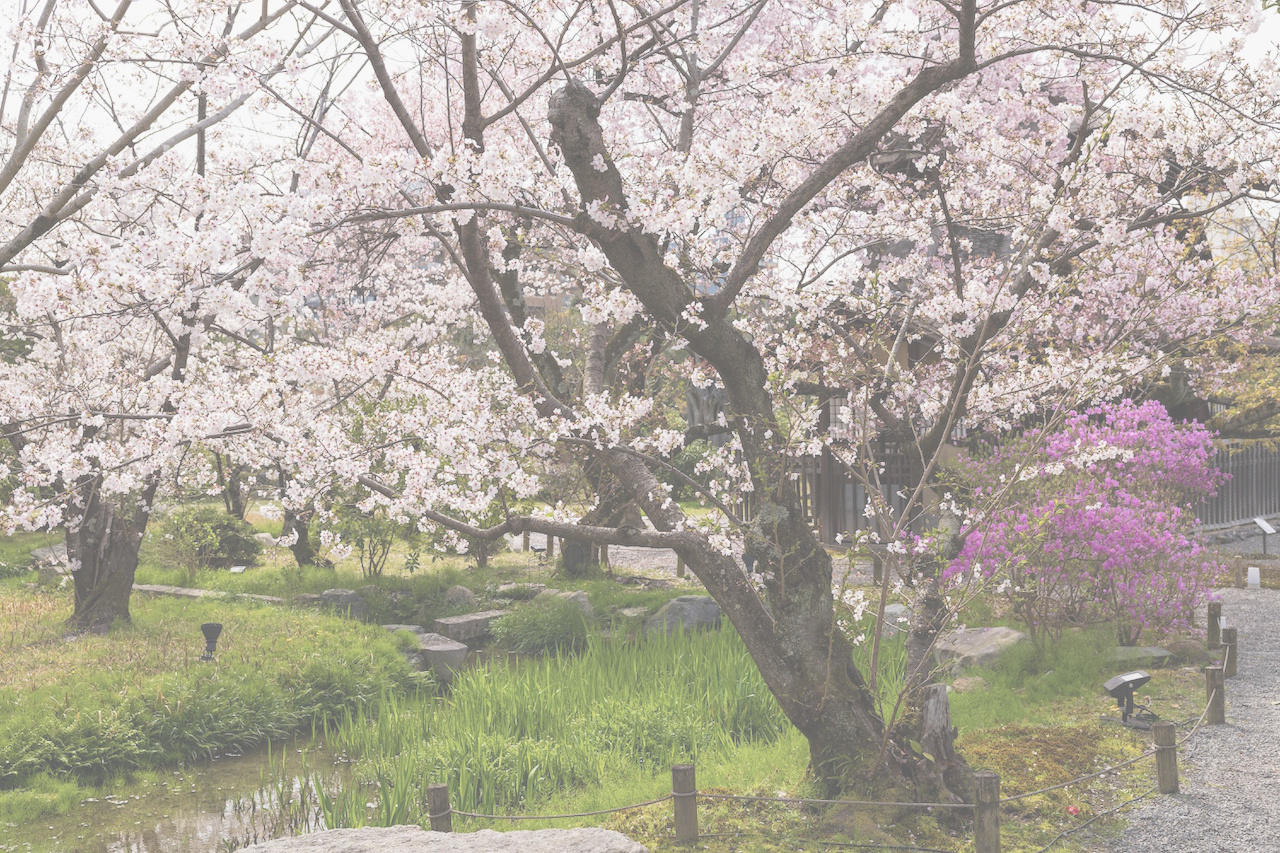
x,y
937,214
136,232
934,212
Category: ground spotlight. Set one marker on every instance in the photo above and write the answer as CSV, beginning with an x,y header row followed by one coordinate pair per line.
x,y
1121,689
211,631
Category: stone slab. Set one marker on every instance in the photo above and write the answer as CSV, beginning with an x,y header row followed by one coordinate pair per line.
x,y
187,592
415,839
415,629
472,626
445,656
1141,655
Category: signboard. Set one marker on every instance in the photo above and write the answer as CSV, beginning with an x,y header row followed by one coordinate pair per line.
x,y
1266,527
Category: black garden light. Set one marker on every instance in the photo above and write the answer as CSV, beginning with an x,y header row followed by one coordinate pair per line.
x,y
1121,689
211,630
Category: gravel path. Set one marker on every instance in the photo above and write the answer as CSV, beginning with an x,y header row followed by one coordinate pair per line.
x,y
1230,775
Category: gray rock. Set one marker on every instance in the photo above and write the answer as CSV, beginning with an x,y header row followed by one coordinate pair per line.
x,y
444,656
519,591
1141,656
895,619
472,626
345,601
633,612
690,612
415,629
414,839
54,555
265,538
967,647
305,599
459,596
574,596
968,684
1189,652
49,576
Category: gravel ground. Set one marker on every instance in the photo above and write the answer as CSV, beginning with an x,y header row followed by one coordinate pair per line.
x,y
1230,775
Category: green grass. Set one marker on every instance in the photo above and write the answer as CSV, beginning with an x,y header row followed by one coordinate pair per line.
x,y
519,733
140,697
1029,683
15,551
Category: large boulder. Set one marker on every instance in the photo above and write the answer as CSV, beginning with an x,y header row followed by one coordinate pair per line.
x,y
688,612
345,601
966,647
519,591
54,555
573,596
459,596
415,839
1189,652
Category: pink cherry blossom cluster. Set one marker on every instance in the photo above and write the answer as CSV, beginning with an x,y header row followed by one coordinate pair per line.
x,y
1094,522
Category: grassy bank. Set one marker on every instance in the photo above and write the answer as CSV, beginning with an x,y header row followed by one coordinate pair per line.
x,y
96,706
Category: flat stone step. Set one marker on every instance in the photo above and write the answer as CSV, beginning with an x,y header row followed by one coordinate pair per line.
x,y
187,592
471,626
445,656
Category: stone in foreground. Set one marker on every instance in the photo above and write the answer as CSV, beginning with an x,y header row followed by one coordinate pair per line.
x,y
414,839
968,647
472,626
690,612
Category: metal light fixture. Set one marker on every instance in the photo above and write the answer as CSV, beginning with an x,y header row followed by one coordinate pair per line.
x,y
1121,689
211,630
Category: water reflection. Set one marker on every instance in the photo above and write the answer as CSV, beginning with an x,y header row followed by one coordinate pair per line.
x,y
218,806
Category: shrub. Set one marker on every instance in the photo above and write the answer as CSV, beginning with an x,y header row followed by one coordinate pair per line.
x,y
1095,523
200,537
556,625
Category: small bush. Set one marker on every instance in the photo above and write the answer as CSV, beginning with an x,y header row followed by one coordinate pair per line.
x,y
543,626
198,538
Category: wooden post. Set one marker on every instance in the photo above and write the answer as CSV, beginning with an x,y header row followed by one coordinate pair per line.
x,y
1166,735
684,790
524,541
438,809
986,812
1215,693
1229,654
1215,625
679,566
551,547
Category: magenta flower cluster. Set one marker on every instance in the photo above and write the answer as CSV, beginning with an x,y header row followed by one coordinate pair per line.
x,y
1093,522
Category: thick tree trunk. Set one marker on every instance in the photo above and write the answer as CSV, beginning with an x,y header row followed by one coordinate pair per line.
x,y
103,551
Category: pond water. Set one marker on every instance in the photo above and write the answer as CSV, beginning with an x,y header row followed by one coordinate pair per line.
x,y
203,808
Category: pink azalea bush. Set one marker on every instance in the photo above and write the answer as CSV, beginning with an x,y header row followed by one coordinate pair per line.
x,y
1094,523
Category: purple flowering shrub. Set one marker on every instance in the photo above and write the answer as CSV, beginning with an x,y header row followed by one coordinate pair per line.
x,y
1093,523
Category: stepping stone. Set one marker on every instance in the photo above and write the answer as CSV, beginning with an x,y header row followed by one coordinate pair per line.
x,y
415,629
573,596
519,591
445,656
472,626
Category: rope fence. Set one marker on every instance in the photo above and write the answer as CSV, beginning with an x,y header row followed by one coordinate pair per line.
x,y
684,795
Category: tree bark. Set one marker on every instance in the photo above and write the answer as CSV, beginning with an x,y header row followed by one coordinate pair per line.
x,y
102,547
303,551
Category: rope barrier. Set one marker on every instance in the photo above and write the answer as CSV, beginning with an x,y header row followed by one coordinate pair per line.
x,y
1126,803
559,816
1102,772
1121,765
1203,714
805,800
